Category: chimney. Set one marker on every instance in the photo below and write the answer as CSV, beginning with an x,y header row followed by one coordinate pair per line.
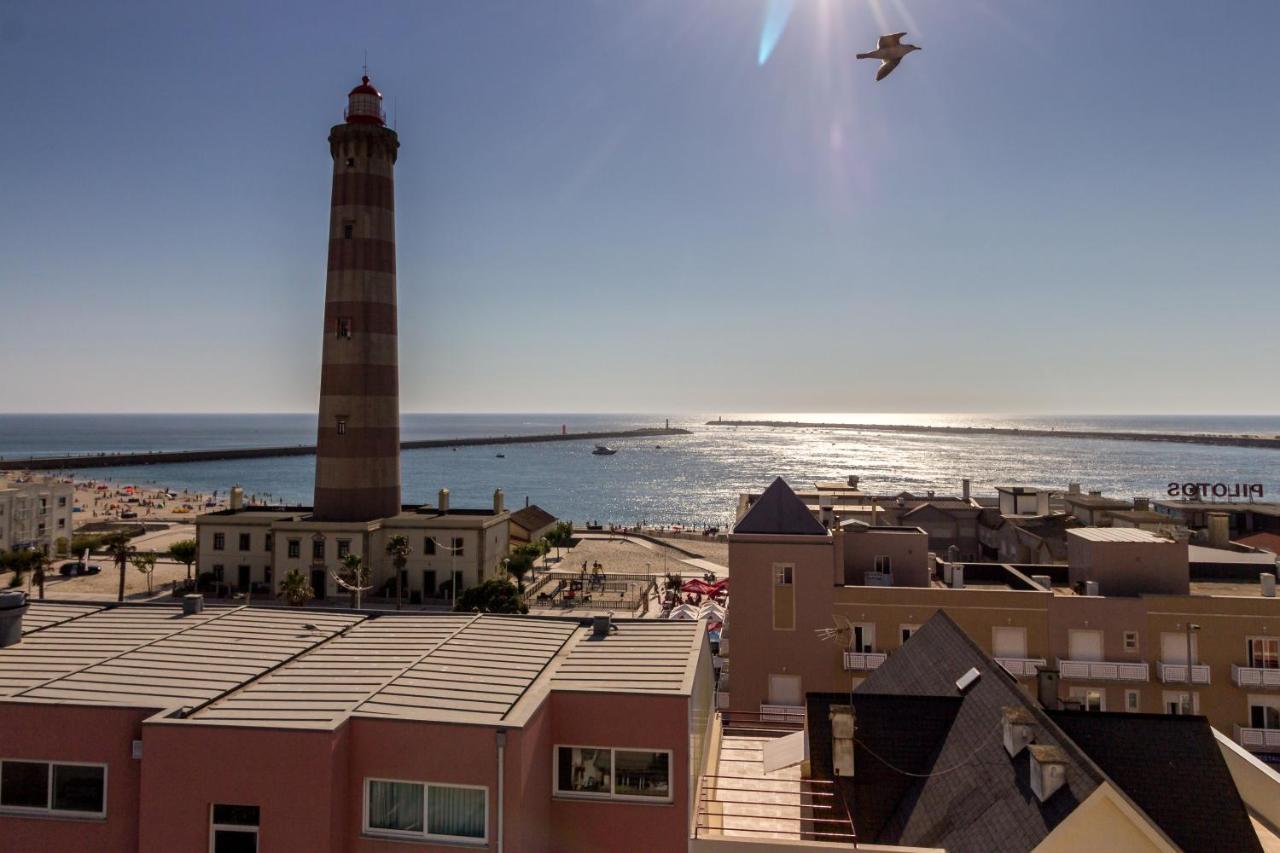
x,y
957,577
1019,729
237,498
827,515
1048,770
442,501
13,604
1073,488
1091,588
964,488
192,604
841,717
1268,582
1142,504
1042,502
853,481
498,507
1047,687
602,625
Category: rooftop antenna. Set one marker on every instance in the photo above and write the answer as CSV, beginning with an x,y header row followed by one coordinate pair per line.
x,y
366,62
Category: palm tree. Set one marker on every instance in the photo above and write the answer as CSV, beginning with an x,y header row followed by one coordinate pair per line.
x,y
355,574
185,551
518,565
120,551
296,589
398,549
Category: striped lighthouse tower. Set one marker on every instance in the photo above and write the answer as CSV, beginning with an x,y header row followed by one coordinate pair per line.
x,y
358,445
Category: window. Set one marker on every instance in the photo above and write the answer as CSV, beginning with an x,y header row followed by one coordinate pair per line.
x,y
268,541
245,541
233,829
905,631
62,502
783,575
1131,641
77,790
344,327
348,230
617,774
428,546
1132,701
317,549
456,547
62,523
884,564
218,573
1089,698
863,638
1181,703
421,810
1264,652
351,162
295,548
342,426
1263,716
266,575
219,541
344,548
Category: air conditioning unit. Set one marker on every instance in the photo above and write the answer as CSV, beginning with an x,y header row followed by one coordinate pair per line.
x,y
957,577
1090,587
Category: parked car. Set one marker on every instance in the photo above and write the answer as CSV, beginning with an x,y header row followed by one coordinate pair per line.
x,y
76,569
128,513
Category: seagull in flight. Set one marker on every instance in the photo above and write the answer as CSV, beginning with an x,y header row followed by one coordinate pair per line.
x,y
889,50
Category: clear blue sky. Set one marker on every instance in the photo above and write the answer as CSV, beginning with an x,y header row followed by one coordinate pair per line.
x,y
610,206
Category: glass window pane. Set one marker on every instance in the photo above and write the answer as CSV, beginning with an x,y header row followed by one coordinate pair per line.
x,y
584,770
24,784
78,789
236,815
455,811
395,805
234,841
642,774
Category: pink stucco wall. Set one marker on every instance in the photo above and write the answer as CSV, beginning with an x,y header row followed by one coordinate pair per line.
x,y
42,732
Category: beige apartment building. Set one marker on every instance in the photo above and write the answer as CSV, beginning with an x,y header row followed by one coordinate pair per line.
x,y
36,515
252,548
818,609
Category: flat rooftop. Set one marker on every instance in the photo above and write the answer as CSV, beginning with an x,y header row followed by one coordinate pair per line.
x,y
301,668
1116,534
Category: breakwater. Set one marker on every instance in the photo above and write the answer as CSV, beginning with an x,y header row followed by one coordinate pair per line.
x,y
112,460
1261,441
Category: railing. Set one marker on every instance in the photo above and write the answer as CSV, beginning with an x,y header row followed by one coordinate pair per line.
x,y
859,661
1252,676
1021,667
1262,740
1167,672
782,713
1099,670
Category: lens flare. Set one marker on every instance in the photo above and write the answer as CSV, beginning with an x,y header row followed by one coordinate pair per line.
x,y
776,15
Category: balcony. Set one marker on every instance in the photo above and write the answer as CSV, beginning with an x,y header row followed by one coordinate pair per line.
x,y
1259,740
862,661
1021,667
1168,672
1100,670
1252,676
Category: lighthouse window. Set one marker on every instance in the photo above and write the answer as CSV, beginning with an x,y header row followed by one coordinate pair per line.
x,y
344,327
342,426
348,230
351,162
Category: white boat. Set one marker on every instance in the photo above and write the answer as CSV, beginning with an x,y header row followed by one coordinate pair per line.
x,y
601,450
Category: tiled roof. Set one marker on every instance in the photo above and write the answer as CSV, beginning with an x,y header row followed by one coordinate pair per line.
x,y
46,614
1096,501
779,512
637,658
1116,534
1264,541
1172,768
532,518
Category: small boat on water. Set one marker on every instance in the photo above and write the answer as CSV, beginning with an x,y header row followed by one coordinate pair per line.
x,y
502,456
601,450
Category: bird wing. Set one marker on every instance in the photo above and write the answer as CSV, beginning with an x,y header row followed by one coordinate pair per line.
x,y
889,40
886,67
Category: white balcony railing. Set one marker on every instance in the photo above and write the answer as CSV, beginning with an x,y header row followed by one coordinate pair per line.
x,y
1260,740
1101,670
1252,676
862,661
782,713
1021,667
1167,672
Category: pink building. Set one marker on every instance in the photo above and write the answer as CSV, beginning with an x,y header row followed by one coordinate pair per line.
x,y
139,728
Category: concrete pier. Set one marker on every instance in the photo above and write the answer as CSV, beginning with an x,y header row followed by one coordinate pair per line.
x,y
112,460
1271,442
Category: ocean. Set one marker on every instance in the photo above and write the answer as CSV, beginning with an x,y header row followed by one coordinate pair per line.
x,y
693,479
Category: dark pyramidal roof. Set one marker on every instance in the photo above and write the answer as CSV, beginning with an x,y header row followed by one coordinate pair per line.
x,y
778,511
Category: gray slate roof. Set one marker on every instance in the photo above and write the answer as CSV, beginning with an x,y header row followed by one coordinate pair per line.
x,y
779,511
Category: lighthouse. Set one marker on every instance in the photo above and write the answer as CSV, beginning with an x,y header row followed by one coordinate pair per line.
x,y
358,436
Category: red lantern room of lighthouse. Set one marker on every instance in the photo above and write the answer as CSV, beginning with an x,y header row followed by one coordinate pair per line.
x,y
364,105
